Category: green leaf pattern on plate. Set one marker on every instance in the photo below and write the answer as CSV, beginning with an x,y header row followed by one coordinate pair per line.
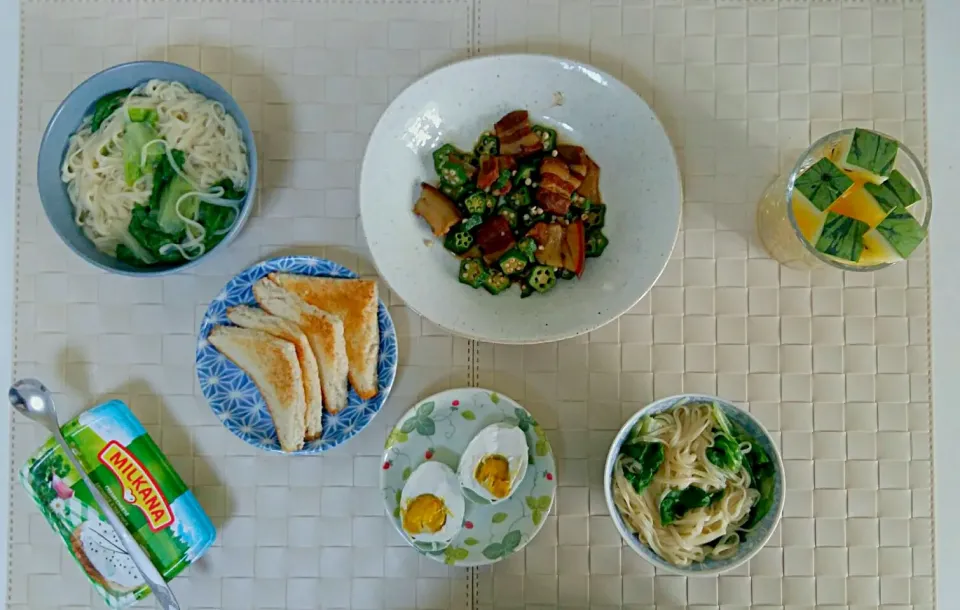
x,y
497,550
396,437
542,446
420,421
396,511
454,554
442,429
538,506
524,421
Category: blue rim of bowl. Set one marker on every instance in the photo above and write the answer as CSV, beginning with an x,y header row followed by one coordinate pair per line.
x,y
242,123
770,521
387,357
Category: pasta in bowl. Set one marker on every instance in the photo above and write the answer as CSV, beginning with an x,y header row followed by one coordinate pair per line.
x,y
146,167
694,484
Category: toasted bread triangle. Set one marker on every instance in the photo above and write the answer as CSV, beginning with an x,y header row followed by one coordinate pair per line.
x,y
324,331
355,301
257,319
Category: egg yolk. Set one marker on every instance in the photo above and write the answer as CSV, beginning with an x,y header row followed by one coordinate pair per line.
x,y
493,473
426,514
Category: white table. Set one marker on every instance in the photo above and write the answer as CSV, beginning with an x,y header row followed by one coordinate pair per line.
x,y
943,48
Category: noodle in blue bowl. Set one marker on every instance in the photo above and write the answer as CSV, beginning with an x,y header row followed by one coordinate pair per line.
x,y
147,167
694,484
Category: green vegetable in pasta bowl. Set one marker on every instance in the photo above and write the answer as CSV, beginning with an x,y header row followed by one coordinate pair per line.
x,y
694,484
147,167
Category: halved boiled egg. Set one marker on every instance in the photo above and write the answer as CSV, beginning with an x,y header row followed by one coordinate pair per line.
x,y
431,505
494,463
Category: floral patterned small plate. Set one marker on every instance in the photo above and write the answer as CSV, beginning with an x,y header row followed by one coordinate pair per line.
x,y
440,428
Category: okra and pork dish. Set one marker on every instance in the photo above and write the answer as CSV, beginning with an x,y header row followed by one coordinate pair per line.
x,y
520,208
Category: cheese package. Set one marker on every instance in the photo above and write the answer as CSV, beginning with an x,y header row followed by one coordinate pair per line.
x,y
142,487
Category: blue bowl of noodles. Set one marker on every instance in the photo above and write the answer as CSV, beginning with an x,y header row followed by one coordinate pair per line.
x,y
694,484
146,168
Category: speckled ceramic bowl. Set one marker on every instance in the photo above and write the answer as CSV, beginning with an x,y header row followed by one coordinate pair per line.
x,y
754,541
639,180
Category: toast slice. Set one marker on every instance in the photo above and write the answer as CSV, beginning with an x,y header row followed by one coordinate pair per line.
x,y
324,331
257,319
272,364
355,301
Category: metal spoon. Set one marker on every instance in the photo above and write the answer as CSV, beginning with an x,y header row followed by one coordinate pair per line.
x,y
31,398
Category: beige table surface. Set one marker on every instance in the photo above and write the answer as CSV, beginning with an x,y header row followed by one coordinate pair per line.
x,y
942,126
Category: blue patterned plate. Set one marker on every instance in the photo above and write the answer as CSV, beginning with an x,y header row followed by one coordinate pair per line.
x,y
235,399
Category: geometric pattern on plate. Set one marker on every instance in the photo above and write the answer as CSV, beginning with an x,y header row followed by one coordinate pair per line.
x,y
234,397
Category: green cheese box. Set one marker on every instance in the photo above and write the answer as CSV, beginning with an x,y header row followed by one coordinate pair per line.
x,y
142,487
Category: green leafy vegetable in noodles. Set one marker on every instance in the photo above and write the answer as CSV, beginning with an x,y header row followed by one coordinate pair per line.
x,y
678,502
763,505
143,115
163,174
167,216
135,137
145,230
218,219
641,462
125,254
105,107
762,478
156,226
717,495
725,453
722,422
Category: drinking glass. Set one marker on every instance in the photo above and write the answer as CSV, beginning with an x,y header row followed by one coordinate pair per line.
x,y
777,224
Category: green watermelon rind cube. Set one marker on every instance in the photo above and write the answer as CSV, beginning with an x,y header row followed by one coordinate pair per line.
x,y
822,183
842,237
872,152
885,197
901,185
895,192
902,231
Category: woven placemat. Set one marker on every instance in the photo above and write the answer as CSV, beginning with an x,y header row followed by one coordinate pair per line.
x,y
312,78
835,364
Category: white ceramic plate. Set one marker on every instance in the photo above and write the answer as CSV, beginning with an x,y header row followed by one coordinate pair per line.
x,y
639,180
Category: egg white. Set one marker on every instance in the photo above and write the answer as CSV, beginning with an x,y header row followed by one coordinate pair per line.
x,y
498,439
438,479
